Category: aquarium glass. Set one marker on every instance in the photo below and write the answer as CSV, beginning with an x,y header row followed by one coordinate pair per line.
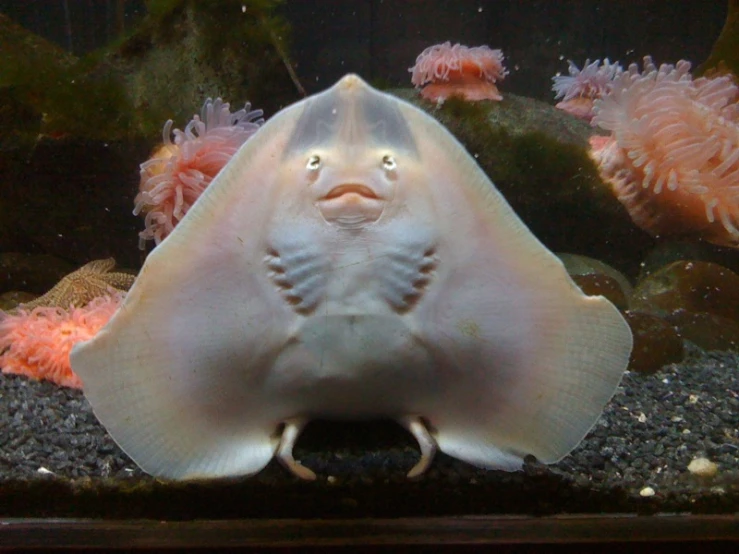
x,y
379,258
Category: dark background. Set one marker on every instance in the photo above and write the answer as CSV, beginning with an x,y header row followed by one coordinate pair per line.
x,y
379,39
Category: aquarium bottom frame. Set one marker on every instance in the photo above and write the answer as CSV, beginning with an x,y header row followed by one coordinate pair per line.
x,y
463,530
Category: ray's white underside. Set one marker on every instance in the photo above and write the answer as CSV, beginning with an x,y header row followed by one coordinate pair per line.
x,y
413,293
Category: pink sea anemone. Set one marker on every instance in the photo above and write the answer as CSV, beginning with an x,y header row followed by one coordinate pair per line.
x,y
582,87
470,73
37,343
182,167
673,156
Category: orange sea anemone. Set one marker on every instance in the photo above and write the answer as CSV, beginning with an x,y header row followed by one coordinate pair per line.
x,y
673,156
181,168
470,73
37,343
582,87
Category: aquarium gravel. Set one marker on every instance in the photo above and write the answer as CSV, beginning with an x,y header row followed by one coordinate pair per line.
x,y
56,460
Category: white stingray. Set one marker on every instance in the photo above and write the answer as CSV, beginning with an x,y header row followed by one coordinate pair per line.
x,y
351,261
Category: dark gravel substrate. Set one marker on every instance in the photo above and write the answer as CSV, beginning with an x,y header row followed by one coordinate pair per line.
x,y
651,430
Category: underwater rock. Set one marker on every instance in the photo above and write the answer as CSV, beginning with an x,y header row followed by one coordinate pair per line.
x,y
89,122
54,93
184,52
576,264
537,157
656,343
700,300
691,286
595,284
724,57
179,54
703,467
709,331
670,251
598,278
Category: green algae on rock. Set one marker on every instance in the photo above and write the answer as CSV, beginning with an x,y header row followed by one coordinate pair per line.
x,y
55,92
180,52
76,129
184,51
537,156
724,57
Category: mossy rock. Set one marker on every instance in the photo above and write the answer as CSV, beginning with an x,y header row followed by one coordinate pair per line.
x,y
537,156
724,57
53,93
77,129
185,51
182,52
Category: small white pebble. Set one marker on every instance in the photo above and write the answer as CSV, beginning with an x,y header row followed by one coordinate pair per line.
x,y
718,490
331,479
703,467
693,398
646,492
676,419
43,471
686,431
642,418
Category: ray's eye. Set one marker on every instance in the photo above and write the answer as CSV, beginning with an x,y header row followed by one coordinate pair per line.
x,y
314,163
388,163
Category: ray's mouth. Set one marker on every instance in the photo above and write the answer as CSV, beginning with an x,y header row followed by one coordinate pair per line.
x,y
351,206
360,190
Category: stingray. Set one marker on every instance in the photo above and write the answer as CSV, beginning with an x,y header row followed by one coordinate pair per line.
x,y
352,261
